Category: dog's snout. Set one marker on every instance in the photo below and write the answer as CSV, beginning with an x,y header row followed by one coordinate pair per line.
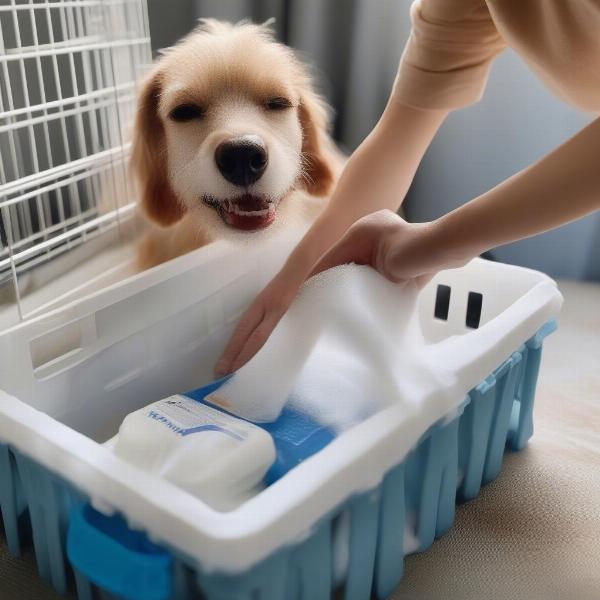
x,y
242,160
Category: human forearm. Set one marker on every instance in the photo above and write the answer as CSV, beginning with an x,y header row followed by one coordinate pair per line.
x,y
376,177
561,187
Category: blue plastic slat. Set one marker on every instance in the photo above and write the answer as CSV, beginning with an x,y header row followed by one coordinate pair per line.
x,y
83,586
182,582
265,581
389,565
523,426
522,430
364,517
506,389
10,501
498,414
543,332
474,433
426,488
54,542
313,565
447,446
32,481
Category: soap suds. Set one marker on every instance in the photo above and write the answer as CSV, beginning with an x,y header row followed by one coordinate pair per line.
x,y
349,345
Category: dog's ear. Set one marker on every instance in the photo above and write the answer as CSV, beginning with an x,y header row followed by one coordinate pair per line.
x,y
316,146
149,163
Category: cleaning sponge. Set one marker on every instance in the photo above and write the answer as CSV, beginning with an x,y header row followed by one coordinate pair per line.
x,y
336,352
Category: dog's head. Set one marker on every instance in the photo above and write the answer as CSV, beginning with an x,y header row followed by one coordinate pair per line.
x,y
227,125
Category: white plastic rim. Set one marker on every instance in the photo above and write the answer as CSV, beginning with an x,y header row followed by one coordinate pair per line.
x,y
286,511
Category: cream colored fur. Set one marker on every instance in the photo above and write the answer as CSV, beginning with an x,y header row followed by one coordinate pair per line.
x,y
230,72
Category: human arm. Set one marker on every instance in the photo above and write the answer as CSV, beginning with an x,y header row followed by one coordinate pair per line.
x,y
559,188
376,177
444,67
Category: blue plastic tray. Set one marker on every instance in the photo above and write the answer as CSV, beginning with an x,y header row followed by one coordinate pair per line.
x,y
451,462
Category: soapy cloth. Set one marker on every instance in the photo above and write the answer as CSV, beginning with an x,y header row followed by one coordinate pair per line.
x,y
350,344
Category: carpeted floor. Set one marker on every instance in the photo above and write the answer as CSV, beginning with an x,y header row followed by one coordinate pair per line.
x,y
19,579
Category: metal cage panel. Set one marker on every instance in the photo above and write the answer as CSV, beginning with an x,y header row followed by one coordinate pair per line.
x,y
68,70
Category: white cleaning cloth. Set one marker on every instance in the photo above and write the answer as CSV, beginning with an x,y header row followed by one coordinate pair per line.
x,y
350,344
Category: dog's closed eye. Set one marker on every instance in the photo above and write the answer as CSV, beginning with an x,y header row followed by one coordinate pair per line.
x,y
186,112
278,103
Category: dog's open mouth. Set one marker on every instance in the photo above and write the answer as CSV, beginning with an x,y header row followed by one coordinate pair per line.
x,y
247,212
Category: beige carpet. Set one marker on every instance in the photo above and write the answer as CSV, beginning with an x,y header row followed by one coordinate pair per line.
x,y
18,577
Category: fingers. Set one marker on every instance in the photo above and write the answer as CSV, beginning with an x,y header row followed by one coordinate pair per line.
x,y
423,280
257,339
244,329
372,241
362,244
348,250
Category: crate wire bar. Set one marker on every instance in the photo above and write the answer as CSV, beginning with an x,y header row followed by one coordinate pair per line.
x,y
68,70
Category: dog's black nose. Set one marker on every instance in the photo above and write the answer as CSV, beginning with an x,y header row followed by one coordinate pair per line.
x,y
242,160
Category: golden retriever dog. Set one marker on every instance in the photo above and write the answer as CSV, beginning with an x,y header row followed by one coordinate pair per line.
x,y
230,138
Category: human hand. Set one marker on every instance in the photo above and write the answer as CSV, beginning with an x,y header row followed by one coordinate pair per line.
x,y
377,175
400,251
259,320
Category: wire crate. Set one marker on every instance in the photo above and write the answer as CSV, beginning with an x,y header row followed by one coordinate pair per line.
x,y
68,70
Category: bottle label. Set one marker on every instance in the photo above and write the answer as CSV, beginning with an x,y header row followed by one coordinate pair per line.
x,y
185,416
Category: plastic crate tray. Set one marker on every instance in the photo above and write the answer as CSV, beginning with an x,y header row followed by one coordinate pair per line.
x,y
451,461
357,508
